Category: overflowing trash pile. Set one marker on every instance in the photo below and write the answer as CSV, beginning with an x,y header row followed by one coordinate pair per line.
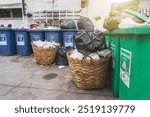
x,y
90,44
44,52
90,60
124,19
101,54
45,44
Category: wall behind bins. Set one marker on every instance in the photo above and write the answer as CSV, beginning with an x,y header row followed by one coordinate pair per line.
x,y
3,2
40,5
99,8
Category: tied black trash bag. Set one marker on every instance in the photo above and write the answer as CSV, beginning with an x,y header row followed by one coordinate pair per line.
x,y
89,42
85,23
68,24
101,36
61,56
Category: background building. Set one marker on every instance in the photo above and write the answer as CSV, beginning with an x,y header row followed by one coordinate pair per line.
x,y
24,12
37,11
144,6
99,8
11,12
138,5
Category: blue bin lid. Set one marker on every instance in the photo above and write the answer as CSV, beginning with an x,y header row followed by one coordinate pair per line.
x,y
51,30
5,29
69,30
36,30
20,29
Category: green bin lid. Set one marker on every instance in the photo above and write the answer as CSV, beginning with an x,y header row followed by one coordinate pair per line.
x,y
137,14
138,30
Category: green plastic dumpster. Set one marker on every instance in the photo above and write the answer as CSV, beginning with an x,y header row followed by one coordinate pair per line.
x,y
134,78
113,42
107,40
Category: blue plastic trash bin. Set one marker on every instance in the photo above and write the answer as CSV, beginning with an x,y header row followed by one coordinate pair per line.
x,y
52,35
23,42
68,37
7,42
36,35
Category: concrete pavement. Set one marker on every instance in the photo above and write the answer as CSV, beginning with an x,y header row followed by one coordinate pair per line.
x,y
22,79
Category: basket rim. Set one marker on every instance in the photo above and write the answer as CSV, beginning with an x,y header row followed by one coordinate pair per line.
x,y
87,60
40,48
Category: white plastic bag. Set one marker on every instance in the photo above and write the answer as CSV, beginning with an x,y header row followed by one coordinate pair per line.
x,y
128,22
45,44
76,55
93,56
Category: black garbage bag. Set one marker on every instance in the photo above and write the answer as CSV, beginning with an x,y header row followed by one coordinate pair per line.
x,y
61,56
85,23
89,42
68,24
101,36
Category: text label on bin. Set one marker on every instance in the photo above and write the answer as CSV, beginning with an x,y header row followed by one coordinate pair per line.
x,y
20,39
3,39
35,37
69,40
51,37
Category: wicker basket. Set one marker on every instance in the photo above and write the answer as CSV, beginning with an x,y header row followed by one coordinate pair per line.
x,y
44,56
89,74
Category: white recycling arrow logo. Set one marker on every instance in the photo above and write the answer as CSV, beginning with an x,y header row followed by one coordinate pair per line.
x,y
124,65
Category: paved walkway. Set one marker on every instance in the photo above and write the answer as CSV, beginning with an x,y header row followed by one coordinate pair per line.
x,y
22,79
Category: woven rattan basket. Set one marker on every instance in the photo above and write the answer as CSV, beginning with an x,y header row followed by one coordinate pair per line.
x,y
89,74
44,56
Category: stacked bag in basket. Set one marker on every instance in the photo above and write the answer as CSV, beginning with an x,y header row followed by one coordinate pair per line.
x,y
90,61
44,52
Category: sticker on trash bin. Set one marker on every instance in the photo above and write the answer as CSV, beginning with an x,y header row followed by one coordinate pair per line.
x,y
20,39
3,39
112,46
125,66
51,37
69,40
35,37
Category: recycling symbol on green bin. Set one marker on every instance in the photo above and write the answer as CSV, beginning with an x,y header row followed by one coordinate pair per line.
x,y
125,66
125,61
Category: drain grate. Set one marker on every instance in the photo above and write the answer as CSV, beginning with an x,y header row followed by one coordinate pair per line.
x,y
50,76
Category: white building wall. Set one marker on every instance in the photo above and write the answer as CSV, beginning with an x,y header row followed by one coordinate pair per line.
x,y
15,23
144,4
39,5
36,5
99,8
10,1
